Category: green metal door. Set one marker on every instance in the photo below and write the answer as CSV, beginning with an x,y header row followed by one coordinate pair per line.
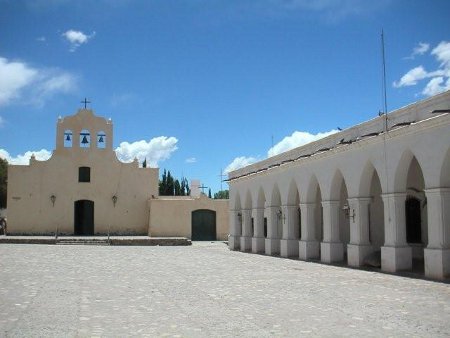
x,y
203,225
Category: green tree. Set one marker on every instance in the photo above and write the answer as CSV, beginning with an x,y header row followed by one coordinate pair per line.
x,y
177,188
3,182
169,186
209,193
185,190
222,194
163,184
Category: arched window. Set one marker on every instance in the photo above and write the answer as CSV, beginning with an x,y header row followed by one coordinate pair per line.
x,y
68,138
84,174
101,140
85,139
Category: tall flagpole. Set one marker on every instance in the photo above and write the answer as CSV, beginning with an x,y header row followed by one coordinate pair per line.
x,y
384,81
385,116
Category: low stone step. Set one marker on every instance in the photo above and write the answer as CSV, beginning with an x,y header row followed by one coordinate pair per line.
x,y
82,242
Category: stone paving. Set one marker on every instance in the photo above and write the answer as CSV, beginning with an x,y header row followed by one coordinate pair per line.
x,y
205,290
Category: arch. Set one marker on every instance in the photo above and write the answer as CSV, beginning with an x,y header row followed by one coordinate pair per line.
x,y
293,197
275,199
261,198
376,212
336,185
416,217
101,140
85,138
68,138
365,182
248,200
311,192
400,178
261,202
445,171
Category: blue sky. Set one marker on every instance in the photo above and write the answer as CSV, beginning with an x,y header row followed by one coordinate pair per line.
x,y
202,85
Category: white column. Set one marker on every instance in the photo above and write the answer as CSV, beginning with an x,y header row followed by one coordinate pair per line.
x,y
396,255
289,220
258,242
332,250
359,246
272,242
437,253
246,238
235,229
308,245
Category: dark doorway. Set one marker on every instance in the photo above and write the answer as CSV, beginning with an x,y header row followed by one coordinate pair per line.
x,y
84,217
203,225
265,227
413,220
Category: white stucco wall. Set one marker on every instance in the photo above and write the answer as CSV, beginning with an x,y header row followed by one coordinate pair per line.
x,y
171,216
379,172
30,187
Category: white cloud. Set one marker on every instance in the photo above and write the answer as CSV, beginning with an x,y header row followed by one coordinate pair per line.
x,y
420,49
440,78
18,80
297,139
442,54
14,76
76,38
23,159
122,99
55,81
332,10
434,86
41,39
191,160
156,150
240,162
412,77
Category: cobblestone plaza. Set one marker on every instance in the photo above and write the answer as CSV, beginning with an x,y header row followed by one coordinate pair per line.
x,y
205,290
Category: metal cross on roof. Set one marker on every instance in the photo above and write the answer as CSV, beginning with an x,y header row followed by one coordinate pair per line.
x,y
85,102
203,188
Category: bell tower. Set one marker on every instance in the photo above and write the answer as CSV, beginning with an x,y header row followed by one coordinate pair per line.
x,y
84,131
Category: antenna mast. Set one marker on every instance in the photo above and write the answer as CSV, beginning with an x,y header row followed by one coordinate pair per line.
x,y
384,81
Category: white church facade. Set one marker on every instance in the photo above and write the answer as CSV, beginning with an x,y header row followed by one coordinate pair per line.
x,y
360,196
83,189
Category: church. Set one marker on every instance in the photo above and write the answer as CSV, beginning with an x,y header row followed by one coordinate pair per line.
x,y
375,194
83,189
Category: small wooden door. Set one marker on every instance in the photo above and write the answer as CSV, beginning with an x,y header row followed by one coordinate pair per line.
x,y
84,218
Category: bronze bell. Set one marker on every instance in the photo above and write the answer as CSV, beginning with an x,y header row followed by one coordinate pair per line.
x,y
100,140
67,137
84,140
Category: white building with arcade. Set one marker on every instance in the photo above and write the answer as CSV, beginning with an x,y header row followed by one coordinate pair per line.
x,y
378,191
